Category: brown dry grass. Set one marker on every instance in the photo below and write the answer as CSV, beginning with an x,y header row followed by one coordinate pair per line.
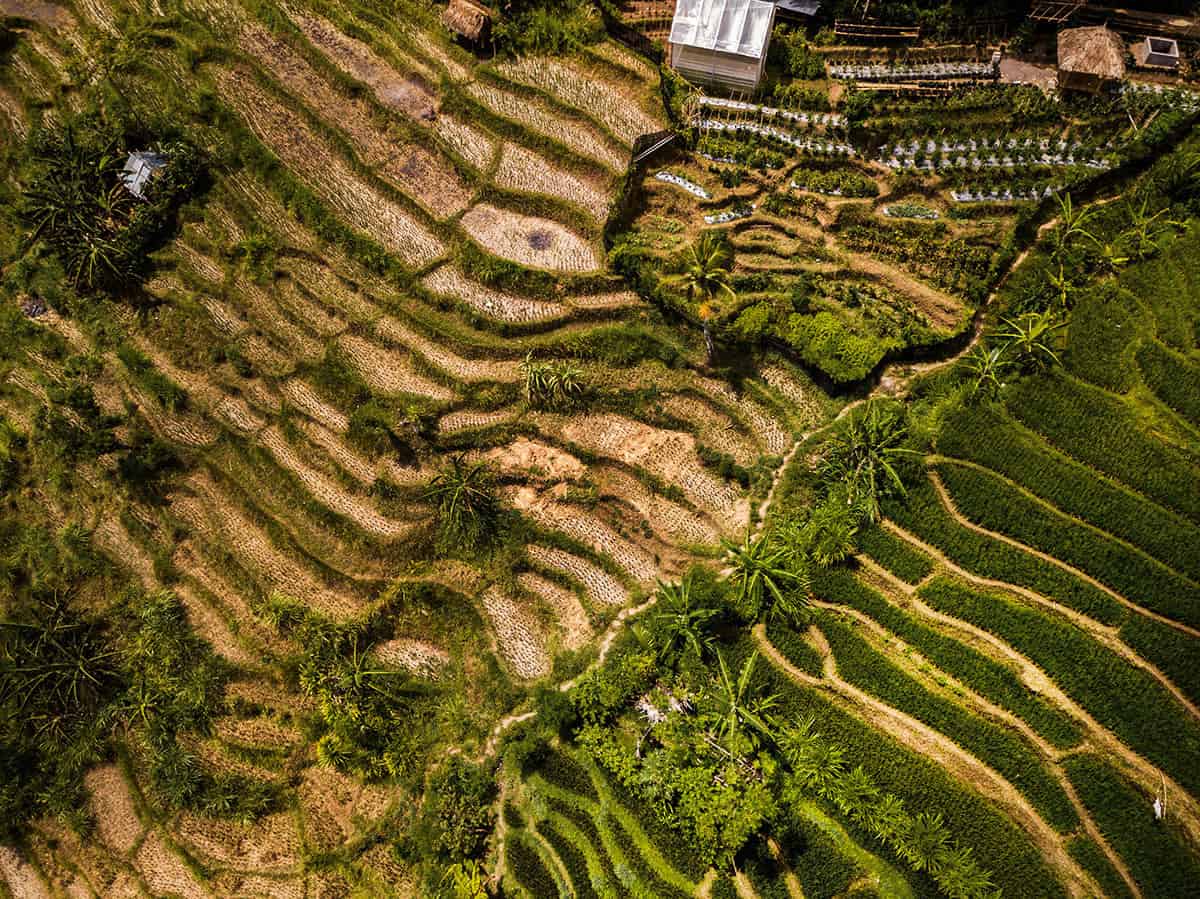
x,y
117,821
668,455
466,419
571,616
286,134
584,139
411,95
518,635
269,845
20,877
387,371
164,871
451,363
211,514
411,168
332,495
523,170
531,241
304,398
475,146
547,508
490,303
417,656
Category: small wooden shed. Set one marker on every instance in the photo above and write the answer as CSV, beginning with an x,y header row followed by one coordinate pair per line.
x,y
1090,59
469,20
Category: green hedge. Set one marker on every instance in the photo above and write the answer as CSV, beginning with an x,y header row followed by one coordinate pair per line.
x,y
988,501
1093,860
997,747
1102,431
821,868
999,846
922,513
1123,698
794,647
989,678
561,770
901,559
1155,854
527,866
985,435
1171,651
572,860
1174,379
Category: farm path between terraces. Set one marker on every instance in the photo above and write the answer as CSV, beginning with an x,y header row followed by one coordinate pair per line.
x,y
1106,635
934,745
940,681
1144,772
953,511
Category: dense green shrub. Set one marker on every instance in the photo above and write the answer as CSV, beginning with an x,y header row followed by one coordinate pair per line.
x,y
997,747
991,679
1157,853
1103,431
572,860
841,182
527,866
1174,379
823,871
988,501
906,562
563,771
794,647
1103,683
923,514
984,434
456,816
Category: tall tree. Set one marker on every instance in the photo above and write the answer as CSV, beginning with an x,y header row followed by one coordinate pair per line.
x,y
766,578
683,625
863,457
702,270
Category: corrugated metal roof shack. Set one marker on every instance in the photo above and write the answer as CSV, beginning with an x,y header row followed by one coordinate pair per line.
x,y
721,42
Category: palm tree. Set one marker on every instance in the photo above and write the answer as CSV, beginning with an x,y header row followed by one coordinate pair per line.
x,y
959,876
1146,230
737,712
685,626
1071,227
463,493
764,572
1028,339
863,455
466,880
925,841
817,764
702,271
828,535
887,818
986,367
855,793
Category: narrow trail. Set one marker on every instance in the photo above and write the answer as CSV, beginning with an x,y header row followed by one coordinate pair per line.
x,y
1149,777
959,692
954,512
1105,635
934,745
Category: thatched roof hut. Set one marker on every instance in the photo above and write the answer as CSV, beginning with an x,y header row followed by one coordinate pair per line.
x,y
468,19
1090,59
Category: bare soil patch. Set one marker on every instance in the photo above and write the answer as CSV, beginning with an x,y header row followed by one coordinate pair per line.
x,y
117,821
20,876
38,11
537,461
269,845
531,241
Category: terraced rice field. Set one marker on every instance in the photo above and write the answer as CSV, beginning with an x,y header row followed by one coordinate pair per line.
x,y
394,230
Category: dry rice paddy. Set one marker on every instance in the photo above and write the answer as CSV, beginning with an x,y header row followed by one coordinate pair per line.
x,y
529,240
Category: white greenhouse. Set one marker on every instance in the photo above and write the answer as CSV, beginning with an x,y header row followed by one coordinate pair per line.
x,y
722,43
